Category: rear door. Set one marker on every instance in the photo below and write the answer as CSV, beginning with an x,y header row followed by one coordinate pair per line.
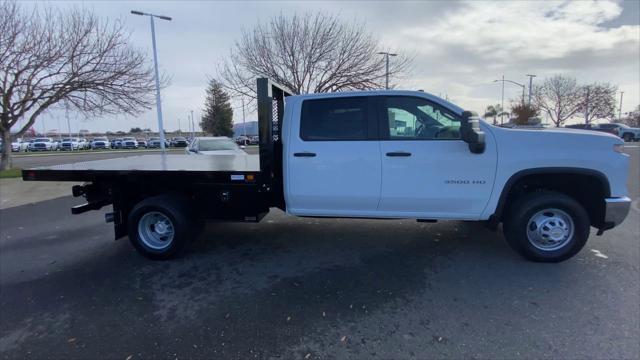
x,y
332,163
427,170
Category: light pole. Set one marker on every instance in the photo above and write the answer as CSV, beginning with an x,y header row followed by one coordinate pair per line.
x,y
620,107
193,126
155,65
387,54
503,80
530,86
244,124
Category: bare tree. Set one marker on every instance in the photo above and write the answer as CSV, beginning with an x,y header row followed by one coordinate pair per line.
x,y
598,102
559,97
308,53
633,118
49,58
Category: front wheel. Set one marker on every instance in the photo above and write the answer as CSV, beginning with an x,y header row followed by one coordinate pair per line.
x,y
627,137
160,227
547,226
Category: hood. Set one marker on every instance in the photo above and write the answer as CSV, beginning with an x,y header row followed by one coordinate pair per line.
x,y
554,132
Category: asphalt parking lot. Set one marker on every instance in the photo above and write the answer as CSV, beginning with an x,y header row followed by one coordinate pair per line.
x,y
312,288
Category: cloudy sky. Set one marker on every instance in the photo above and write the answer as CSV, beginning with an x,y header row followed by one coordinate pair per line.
x,y
459,47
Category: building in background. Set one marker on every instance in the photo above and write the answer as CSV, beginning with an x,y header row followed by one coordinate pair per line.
x,y
252,129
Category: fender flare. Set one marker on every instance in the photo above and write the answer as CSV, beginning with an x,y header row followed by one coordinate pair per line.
x,y
497,214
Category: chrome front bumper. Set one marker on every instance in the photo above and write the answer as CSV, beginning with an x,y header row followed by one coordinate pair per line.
x,y
616,209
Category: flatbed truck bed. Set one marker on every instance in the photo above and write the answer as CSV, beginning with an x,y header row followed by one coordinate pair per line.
x,y
231,169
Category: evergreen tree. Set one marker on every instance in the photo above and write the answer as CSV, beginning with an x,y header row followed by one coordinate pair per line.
x,y
218,115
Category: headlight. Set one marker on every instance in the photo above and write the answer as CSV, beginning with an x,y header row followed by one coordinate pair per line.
x,y
619,148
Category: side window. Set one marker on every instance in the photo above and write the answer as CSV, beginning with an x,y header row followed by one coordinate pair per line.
x,y
412,118
334,119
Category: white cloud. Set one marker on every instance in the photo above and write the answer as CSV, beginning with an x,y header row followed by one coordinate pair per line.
x,y
480,41
460,48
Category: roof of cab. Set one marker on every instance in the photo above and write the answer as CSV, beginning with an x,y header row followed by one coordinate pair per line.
x,y
428,96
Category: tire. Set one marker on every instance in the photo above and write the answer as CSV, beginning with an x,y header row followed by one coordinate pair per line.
x,y
152,220
546,226
627,137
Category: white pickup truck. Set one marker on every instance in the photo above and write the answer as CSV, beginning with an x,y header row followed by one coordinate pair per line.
x,y
375,154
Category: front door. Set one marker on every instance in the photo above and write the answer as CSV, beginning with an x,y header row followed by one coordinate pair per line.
x,y
427,170
332,160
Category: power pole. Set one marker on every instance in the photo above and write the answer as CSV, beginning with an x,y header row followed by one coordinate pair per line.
x,y
530,86
620,107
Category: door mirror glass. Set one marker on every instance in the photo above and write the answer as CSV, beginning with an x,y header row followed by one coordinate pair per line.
x,y
470,132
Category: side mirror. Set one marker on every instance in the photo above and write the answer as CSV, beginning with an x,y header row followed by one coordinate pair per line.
x,y
470,132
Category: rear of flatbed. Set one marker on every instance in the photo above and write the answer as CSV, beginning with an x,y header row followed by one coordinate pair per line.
x,y
185,189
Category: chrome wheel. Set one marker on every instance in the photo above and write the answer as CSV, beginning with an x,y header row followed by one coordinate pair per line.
x,y
156,230
550,229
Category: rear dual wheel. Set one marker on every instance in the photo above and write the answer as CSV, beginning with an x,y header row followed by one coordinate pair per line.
x,y
160,227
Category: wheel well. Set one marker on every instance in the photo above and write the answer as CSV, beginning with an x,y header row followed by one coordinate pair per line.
x,y
589,189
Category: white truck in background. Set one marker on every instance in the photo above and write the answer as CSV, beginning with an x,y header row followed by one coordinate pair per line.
x,y
370,154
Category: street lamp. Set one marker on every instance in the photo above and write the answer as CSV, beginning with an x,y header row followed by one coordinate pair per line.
x,y
387,54
530,86
620,107
503,80
155,65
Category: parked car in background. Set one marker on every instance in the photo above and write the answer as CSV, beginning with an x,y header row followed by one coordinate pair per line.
x,y
56,144
242,140
142,143
179,141
214,146
19,145
129,143
626,132
41,144
99,143
591,127
116,143
83,144
253,140
69,144
154,142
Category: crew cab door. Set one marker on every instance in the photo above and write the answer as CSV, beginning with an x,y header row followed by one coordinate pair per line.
x,y
332,158
427,170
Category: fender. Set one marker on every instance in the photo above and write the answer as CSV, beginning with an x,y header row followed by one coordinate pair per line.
x,y
497,215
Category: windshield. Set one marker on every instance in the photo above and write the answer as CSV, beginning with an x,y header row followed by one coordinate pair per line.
x,y
67,139
129,139
154,139
43,140
216,144
100,139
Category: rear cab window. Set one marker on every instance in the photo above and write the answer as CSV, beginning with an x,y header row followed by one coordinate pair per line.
x,y
338,119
